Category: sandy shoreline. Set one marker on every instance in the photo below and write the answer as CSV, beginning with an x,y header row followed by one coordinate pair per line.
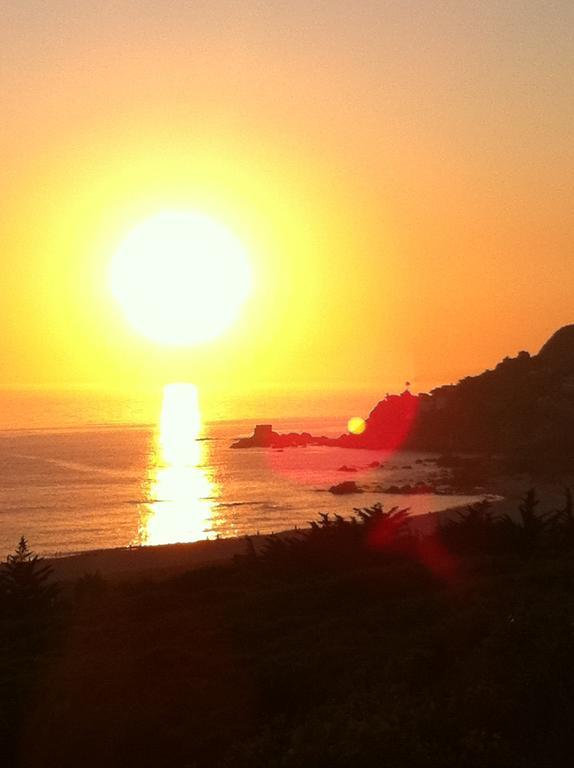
x,y
157,561
160,561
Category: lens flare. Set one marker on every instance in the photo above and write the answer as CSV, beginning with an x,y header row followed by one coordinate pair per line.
x,y
356,425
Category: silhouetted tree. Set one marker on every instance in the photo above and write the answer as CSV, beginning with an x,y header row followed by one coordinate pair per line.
x,y
474,529
25,582
531,531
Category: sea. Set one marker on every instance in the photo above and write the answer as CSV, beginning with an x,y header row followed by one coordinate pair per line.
x,y
74,485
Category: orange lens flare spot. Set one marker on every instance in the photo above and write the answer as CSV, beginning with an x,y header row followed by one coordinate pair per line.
x,y
356,425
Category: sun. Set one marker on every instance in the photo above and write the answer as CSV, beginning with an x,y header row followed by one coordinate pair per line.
x,y
181,278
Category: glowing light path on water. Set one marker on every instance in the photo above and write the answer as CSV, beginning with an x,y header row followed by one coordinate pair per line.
x,y
180,491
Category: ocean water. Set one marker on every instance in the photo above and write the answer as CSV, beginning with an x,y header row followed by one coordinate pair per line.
x,y
91,487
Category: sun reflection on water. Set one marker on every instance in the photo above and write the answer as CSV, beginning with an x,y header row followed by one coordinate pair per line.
x,y
180,491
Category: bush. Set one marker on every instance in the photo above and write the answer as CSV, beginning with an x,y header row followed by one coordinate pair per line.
x,y
335,542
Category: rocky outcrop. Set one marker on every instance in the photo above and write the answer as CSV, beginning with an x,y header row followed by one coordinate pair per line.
x,y
386,428
349,486
264,437
524,407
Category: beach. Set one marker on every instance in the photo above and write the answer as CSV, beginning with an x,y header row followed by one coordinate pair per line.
x,y
112,486
162,561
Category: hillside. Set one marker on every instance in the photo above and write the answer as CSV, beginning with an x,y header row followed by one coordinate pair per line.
x,y
525,406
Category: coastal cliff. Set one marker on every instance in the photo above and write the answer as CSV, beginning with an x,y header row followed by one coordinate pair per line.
x,y
525,405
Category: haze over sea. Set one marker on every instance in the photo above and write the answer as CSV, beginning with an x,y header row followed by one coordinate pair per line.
x,y
86,471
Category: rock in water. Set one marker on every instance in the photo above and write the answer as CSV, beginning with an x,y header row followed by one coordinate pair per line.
x,y
349,486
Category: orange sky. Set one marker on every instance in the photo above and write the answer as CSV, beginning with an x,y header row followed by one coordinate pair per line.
x,y
400,173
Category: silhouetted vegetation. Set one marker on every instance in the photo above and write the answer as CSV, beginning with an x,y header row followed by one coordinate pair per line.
x,y
358,643
27,622
25,586
372,535
523,408
336,541
526,534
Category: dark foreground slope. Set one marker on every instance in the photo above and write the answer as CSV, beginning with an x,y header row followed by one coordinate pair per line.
x,y
461,656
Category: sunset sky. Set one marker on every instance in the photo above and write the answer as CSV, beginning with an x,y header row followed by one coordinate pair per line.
x,y
400,175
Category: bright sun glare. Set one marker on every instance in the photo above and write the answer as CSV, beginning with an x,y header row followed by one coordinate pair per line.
x,y
181,278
